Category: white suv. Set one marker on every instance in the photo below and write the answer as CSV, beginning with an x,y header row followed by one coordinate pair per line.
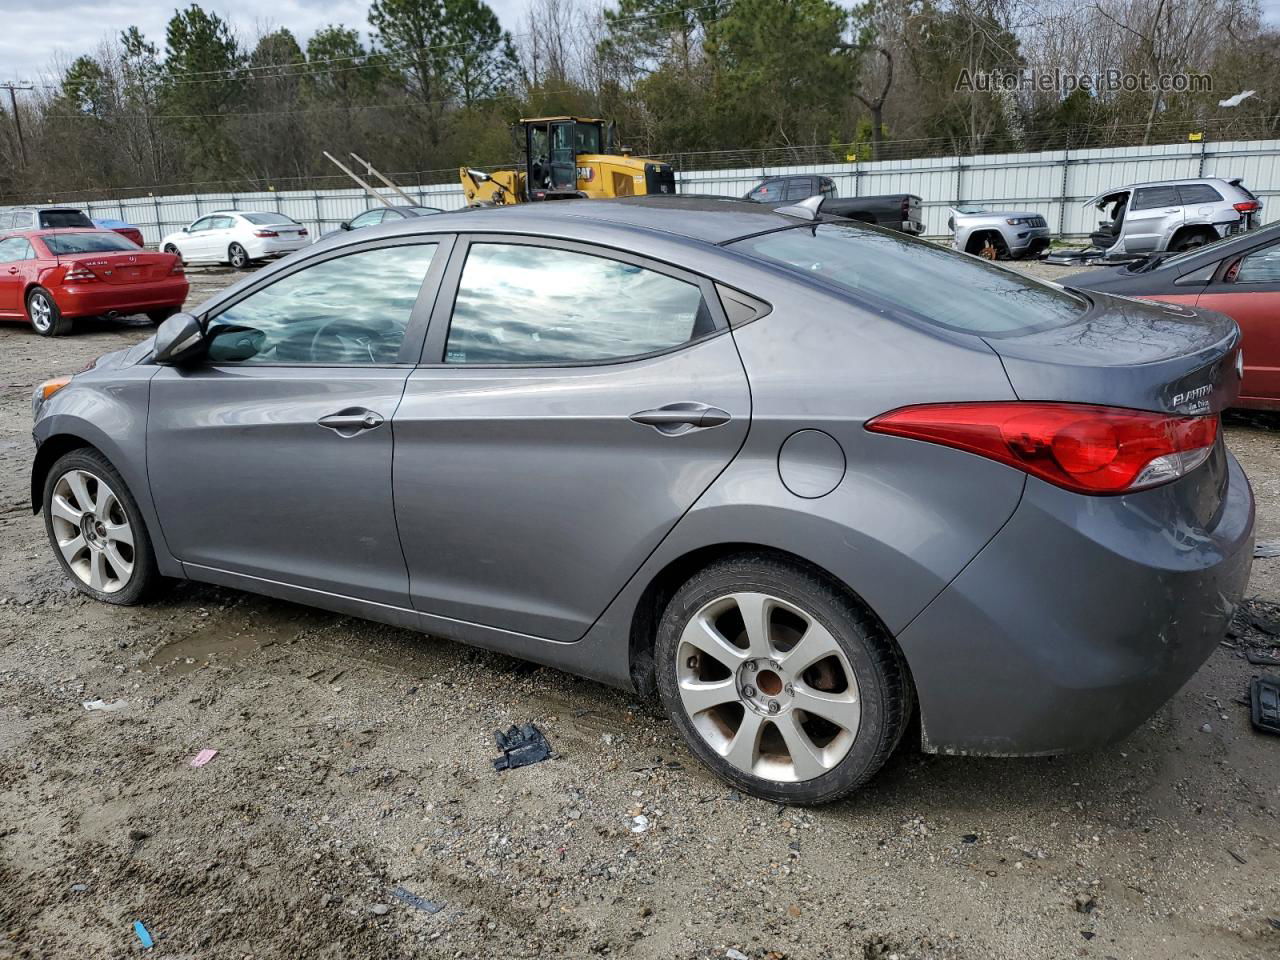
x,y
237,237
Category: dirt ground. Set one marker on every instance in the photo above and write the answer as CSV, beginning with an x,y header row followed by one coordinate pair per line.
x,y
354,762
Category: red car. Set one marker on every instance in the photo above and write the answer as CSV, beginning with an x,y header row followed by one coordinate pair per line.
x,y
1238,276
49,277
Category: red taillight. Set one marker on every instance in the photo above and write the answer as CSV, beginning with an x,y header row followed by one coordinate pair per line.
x,y
177,270
302,232
1081,447
1248,206
265,233
79,273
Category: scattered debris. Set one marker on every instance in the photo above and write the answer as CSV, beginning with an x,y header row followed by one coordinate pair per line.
x,y
1274,922
520,747
1262,659
969,838
639,823
1266,549
417,902
1085,903
79,887
1206,728
1264,697
203,757
143,935
1088,934
1257,614
380,909
735,954
1236,857
137,835
104,706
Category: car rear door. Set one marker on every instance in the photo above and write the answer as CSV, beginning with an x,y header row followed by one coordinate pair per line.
x,y
573,402
1153,214
1247,289
271,459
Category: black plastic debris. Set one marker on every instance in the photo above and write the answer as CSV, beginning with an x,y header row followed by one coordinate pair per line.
x,y
415,901
520,747
1264,696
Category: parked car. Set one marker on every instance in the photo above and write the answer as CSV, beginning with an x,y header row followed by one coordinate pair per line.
x,y
123,228
43,218
795,474
1238,276
998,234
385,214
237,237
50,277
897,211
1174,215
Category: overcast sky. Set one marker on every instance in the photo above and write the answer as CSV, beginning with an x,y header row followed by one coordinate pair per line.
x,y
36,34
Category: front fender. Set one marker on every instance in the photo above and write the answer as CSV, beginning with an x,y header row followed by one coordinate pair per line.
x,y
108,412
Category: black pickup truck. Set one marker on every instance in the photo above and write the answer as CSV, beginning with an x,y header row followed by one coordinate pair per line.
x,y
897,211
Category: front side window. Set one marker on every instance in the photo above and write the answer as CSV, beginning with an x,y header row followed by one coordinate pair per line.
x,y
349,310
930,283
524,304
767,192
65,244
1261,266
204,223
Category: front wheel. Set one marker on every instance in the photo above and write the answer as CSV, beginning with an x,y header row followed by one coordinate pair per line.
x,y
45,316
779,681
96,530
238,256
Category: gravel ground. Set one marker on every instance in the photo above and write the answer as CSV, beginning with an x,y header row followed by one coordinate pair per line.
x,y
354,760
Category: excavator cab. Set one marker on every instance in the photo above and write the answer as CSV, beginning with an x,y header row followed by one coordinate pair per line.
x,y
552,148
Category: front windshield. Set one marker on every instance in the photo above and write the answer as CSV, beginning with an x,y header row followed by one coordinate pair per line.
x,y
586,138
933,284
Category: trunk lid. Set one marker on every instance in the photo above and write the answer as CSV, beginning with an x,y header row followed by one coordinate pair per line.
x,y
1129,353
124,267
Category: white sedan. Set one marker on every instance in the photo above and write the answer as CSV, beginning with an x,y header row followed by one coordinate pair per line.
x,y
237,237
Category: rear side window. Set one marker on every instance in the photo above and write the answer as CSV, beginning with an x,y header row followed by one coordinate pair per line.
x,y
1261,266
927,282
525,304
1148,198
800,189
1193,193
64,244
58,219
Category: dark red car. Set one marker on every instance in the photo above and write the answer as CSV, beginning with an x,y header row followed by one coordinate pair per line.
x,y
49,277
1238,276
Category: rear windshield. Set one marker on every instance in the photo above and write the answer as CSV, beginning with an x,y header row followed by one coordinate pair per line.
x,y
264,218
66,244
426,211
941,287
58,219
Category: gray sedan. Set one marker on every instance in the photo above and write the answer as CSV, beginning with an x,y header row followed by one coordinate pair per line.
x,y
802,478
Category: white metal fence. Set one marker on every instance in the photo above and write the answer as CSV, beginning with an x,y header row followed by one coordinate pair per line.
x,y
1053,183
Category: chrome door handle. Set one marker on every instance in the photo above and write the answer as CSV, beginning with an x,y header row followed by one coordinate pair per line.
x,y
672,417
351,421
13,269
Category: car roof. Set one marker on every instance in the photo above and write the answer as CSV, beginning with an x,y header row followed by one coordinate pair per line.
x,y
706,219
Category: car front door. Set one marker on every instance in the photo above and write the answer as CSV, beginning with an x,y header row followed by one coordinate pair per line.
x,y
196,243
271,459
1154,214
572,404
13,275
1247,289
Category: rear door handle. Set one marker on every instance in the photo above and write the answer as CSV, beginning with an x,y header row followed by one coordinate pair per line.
x,y
351,421
674,418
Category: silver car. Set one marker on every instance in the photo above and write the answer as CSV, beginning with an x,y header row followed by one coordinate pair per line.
x,y
998,234
802,478
1172,215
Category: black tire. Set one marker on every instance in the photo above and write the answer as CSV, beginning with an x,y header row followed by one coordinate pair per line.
x,y
145,576
174,251
44,314
885,693
160,316
238,257
1191,241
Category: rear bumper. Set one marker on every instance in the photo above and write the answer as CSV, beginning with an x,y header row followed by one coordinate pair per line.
x,y
262,247
95,299
1082,616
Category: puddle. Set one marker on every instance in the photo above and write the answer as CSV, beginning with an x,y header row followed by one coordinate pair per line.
x,y
228,637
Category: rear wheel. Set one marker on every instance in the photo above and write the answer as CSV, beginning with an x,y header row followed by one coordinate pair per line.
x,y
238,256
96,530
46,319
779,681
171,249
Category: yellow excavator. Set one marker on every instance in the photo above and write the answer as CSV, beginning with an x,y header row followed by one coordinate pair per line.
x,y
567,158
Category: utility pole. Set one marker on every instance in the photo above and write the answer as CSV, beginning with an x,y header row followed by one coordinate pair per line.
x,y
13,89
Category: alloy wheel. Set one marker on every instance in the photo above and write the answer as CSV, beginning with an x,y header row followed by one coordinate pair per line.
x,y
768,687
239,258
41,312
92,531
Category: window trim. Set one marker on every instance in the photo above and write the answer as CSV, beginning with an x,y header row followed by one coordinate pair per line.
x,y
419,317
442,316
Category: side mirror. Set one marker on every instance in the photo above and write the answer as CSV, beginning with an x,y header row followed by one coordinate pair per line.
x,y
179,339
345,225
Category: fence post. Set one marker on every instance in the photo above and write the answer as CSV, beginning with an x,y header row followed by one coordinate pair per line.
x,y
319,218
155,203
1062,200
1200,168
